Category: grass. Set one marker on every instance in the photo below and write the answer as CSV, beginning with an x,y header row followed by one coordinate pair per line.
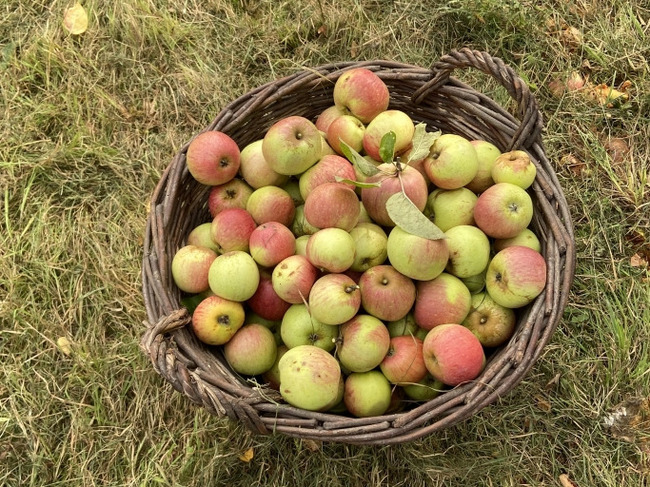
x,y
89,123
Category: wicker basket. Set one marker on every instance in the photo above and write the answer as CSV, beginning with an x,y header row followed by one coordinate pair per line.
x,y
427,95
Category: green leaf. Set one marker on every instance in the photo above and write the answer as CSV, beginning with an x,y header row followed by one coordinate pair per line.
x,y
358,184
387,146
367,168
191,302
422,142
409,218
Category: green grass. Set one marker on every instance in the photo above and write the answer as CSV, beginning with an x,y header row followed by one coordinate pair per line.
x,y
87,126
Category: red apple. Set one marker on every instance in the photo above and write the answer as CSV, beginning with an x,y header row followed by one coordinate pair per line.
x,y
348,129
364,342
326,170
215,320
374,199
332,205
212,158
190,268
404,362
270,243
386,293
293,279
271,204
362,93
233,194
327,116
503,210
394,121
453,354
231,229
251,350
266,302
444,299
516,276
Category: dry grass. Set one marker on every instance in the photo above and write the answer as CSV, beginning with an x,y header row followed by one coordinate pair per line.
x,y
88,124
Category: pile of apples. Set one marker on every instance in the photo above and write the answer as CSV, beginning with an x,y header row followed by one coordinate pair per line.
x,y
358,262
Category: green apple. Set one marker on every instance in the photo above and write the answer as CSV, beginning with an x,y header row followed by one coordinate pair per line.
x,y
370,242
492,323
299,327
452,162
448,208
416,257
234,276
292,145
251,350
514,167
215,320
191,266
367,394
526,238
364,343
469,251
487,153
394,121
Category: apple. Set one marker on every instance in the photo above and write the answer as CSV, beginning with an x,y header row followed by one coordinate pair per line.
x,y
367,394
452,162
444,299
265,301
201,236
362,93
332,205
416,257
403,326
388,121
215,320
293,278
233,194
492,323
385,293
363,214
326,170
212,158
364,342
334,299
309,378
231,229
327,116
503,210
292,145
251,350
475,283
331,250
348,129
452,354
234,276
487,154
404,362
370,242
469,251
271,203
526,238
190,268
270,243
301,245
392,179
415,164
292,186
516,276
272,376
424,390
299,327
514,167
448,208
255,170
300,226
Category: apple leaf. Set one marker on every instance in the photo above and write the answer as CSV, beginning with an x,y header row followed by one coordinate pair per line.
x,y
75,19
358,184
422,142
367,168
387,146
409,218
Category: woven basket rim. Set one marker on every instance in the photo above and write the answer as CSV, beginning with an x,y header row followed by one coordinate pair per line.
x,y
204,377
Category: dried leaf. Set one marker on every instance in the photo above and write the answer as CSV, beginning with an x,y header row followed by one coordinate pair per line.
x,y
571,37
543,404
64,345
606,95
367,168
630,420
565,482
312,445
354,50
387,146
322,30
617,148
75,19
409,218
422,142
638,261
575,165
358,184
247,456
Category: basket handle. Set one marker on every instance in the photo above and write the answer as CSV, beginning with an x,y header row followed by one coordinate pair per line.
x,y
531,122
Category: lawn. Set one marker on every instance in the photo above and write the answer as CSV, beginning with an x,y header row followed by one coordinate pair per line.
x,y
88,124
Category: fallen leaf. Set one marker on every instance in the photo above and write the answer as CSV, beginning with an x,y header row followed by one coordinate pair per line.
x,y
606,95
571,37
617,148
247,456
64,345
75,19
322,30
630,420
312,445
575,165
565,482
354,50
543,404
638,261
553,383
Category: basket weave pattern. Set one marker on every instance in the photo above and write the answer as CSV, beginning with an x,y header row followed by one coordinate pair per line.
x,y
431,96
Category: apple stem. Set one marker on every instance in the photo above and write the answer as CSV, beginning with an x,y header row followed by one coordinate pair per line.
x,y
351,289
